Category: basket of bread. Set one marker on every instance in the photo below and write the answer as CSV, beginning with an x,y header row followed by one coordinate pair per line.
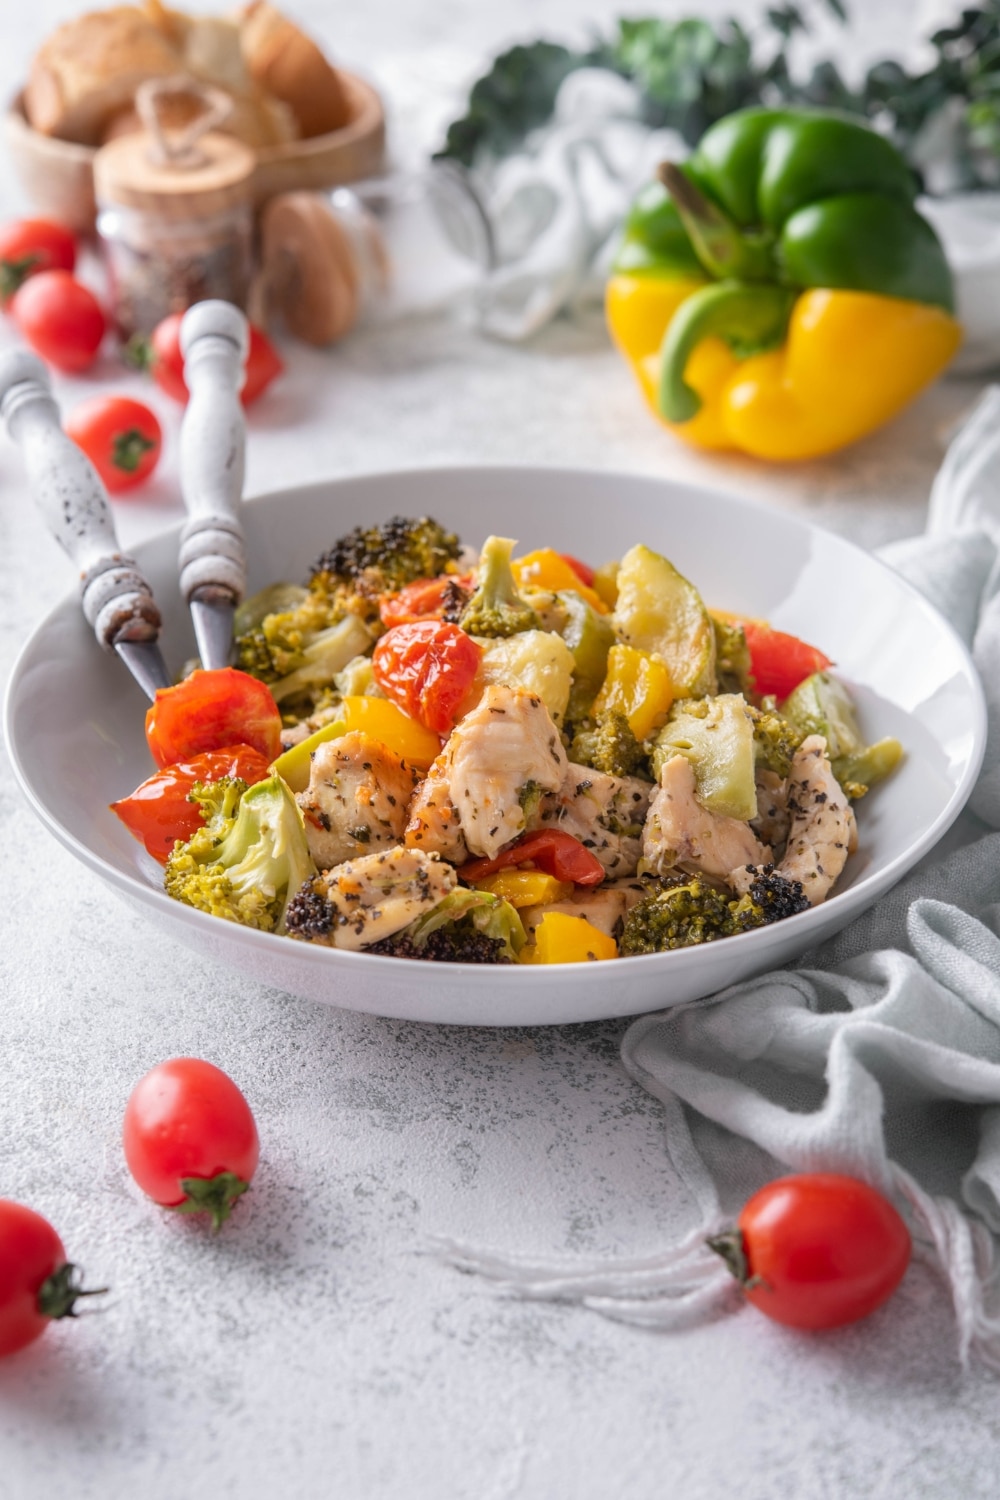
x,y
308,124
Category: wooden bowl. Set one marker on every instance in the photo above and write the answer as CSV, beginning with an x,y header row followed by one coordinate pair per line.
x,y
58,176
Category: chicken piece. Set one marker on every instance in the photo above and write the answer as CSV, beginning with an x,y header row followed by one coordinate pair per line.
x,y
773,817
605,813
500,756
294,734
357,800
603,907
379,894
679,831
433,819
823,831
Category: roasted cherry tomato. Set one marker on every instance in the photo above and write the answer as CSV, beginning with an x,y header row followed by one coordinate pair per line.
x,y
549,849
212,711
161,355
190,1138
159,812
37,1283
583,571
29,246
425,599
427,669
61,319
779,662
121,437
817,1250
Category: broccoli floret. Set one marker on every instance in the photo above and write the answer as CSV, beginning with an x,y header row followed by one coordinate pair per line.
x,y
732,658
374,560
247,859
467,927
609,746
327,653
496,609
684,915
310,913
775,739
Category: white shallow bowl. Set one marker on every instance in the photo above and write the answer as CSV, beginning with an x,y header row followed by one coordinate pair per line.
x,y
74,721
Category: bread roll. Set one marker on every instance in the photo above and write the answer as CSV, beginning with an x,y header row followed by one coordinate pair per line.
x,y
89,70
284,62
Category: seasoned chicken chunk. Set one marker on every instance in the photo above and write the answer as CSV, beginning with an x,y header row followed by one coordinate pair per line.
x,y
503,754
363,900
773,817
823,831
605,813
679,831
357,800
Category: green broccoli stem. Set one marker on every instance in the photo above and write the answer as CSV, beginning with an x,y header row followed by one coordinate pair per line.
x,y
211,1195
59,1293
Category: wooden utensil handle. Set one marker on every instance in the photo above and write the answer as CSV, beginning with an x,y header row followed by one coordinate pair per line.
x,y
214,341
117,600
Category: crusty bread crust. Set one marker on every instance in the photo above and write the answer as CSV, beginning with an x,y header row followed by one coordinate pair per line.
x,y
287,64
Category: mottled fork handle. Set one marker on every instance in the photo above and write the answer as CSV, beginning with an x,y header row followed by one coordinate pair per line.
x,y
117,601
214,341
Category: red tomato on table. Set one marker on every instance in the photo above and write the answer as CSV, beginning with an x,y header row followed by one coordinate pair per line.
x,y
165,361
61,319
158,812
424,599
29,246
551,850
37,1283
427,669
817,1250
779,662
121,437
213,711
190,1138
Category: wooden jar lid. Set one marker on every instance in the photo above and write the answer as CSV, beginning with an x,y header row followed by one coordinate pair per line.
x,y
313,272
127,172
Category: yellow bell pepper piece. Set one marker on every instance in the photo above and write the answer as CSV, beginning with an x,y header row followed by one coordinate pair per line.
x,y
851,361
563,939
545,569
377,717
525,887
637,685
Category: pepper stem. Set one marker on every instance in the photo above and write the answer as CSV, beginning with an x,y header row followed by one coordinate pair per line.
x,y
211,1195
724,249
59,1293
749,318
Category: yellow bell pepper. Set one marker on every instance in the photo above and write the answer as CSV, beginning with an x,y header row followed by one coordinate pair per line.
x,y
547,569
637,685
373,716
851,361
525,887
564,939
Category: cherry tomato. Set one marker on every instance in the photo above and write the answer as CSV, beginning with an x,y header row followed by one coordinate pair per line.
x,y
29,246
548,849
779,662
427,668
212,711
425,599
121,437
37,1283
817,1250
165,361
583,571
61,319
190,1138
159,812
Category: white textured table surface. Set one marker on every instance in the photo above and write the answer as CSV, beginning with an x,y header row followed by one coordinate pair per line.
x,y
309,1350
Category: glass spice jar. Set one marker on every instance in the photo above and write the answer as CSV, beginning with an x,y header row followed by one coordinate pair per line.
x,y
175,217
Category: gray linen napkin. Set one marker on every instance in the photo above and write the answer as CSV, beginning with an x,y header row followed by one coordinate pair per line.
x,y
879,1054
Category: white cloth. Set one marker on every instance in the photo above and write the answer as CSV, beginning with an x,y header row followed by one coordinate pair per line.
x,y
878,1056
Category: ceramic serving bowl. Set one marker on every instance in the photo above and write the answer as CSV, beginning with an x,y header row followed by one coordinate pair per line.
x,y
74,721
58,176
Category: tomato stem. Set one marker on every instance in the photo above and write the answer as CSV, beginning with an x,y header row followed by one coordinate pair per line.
x,y
211,1195
733,1249
59,1293
128,449
14,273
